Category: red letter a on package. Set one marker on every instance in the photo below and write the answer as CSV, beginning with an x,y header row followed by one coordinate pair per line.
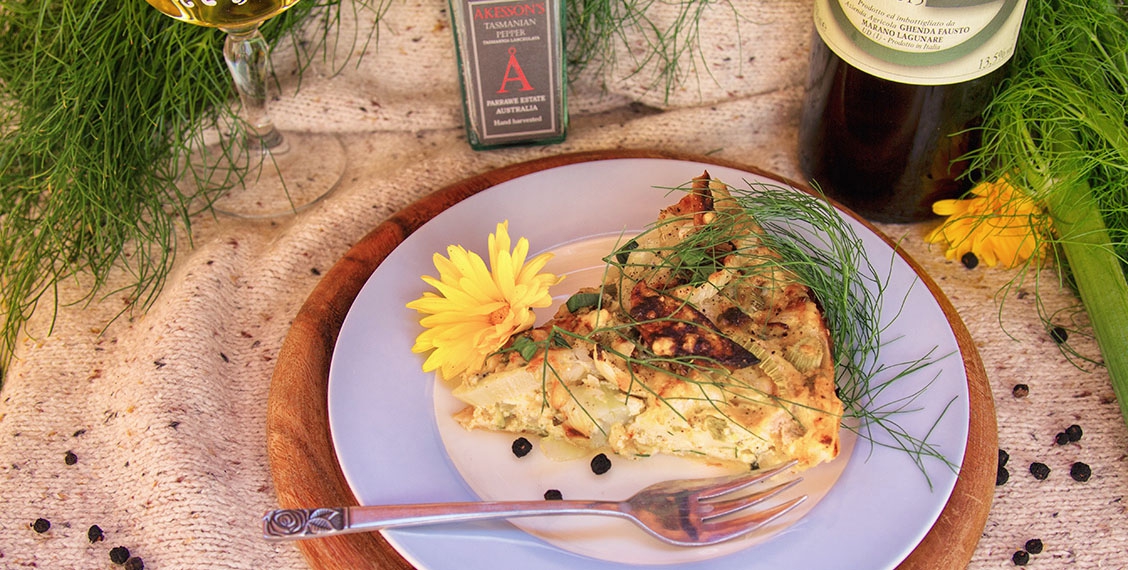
x,y
513,72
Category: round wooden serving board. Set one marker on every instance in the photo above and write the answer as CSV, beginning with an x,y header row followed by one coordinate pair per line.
x,y
304,465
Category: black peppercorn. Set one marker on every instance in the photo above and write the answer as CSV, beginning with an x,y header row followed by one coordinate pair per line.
x,y
135,563
600,464
119,554
1080,472
1059,334
1020,390
41,525
1002,476
1020,558
1074,432
1061,438
969,260
95,534
553,495
521,447
1034,546
1039,470
70,458
1003,458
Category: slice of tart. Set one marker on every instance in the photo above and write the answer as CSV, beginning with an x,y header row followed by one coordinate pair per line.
x,y
698,343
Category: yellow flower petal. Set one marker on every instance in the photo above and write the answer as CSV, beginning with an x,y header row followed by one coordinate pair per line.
x,y
474,309
997,222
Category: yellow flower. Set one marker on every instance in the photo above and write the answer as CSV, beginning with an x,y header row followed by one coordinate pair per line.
x,y
998,223
477,309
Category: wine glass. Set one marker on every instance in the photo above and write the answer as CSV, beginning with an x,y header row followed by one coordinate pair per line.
x,y
277,175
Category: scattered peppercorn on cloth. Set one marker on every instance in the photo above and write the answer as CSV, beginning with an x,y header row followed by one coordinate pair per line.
x,y
147,431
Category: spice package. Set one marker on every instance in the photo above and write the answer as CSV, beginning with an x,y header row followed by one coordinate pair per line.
x,y
512,71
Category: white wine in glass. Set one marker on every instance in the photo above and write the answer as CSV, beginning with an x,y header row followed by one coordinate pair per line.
x,y
223,13
283,174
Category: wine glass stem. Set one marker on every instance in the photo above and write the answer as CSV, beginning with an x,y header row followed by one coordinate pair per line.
x,y
247,54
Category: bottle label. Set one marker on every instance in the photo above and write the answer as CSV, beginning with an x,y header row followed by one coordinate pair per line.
x,y
512,69
921,42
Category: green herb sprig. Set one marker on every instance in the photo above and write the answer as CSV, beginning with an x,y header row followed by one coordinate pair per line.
x,y
1058,129
831,261
834,264
100,104
664,51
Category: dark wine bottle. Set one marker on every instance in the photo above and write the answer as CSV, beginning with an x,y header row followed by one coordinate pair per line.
x,y
884,126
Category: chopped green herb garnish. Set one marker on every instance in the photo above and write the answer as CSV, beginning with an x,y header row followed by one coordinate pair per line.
x,y
559,340
624,252
582,300
526,347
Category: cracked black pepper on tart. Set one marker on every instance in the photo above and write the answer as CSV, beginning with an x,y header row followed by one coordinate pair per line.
x,y
699,343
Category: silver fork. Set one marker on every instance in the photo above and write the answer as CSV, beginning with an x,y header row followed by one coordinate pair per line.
x,y
686,512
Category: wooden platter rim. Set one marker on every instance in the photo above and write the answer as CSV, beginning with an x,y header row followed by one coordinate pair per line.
x,y
304,466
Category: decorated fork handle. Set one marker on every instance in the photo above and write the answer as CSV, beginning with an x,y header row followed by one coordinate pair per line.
x,y
290,524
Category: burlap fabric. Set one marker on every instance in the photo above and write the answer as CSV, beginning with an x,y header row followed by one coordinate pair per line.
x,y
164,411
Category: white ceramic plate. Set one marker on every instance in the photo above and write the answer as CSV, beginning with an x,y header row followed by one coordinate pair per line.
x,y
395,443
